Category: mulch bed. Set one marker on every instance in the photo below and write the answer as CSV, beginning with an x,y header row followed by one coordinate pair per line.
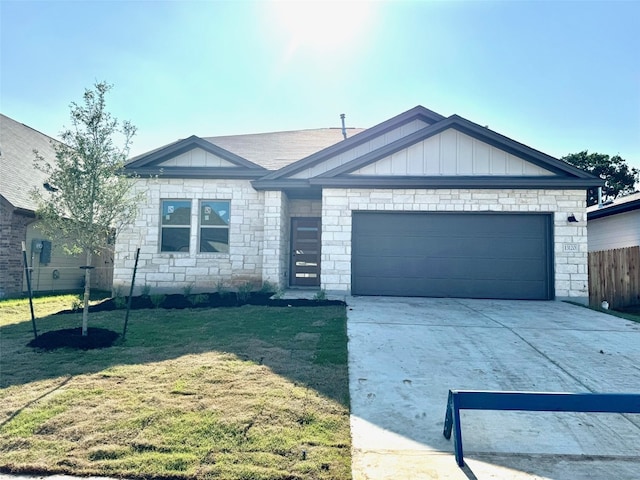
x,y
203,300
72,338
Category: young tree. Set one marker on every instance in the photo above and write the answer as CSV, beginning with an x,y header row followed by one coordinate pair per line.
x,y
88,198
619,178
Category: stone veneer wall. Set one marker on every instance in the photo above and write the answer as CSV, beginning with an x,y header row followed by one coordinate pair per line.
x,y
171,272
570,267
13,231
274,262
305,208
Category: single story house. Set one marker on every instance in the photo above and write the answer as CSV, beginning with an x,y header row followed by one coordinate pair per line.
x,y
418,205
616,224
52,269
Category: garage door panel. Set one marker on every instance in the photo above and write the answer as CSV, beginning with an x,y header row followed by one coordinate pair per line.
x,y
459,289
469,255
484,269
395,266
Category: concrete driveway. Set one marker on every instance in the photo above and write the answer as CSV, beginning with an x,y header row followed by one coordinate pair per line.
x,y
406,353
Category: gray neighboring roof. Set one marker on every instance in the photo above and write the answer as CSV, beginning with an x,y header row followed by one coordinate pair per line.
x,y
618,205
17,173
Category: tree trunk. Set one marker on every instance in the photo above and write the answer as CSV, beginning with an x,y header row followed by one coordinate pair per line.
x,y
87,292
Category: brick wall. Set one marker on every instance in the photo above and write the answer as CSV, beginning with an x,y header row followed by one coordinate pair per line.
x,y
13,231
171,272
570,267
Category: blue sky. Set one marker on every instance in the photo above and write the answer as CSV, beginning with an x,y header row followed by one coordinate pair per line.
x,y
558,76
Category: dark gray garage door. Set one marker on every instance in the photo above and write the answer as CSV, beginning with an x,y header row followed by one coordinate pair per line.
x,y
465,255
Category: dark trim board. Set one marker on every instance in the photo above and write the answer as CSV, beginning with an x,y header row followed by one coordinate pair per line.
x,y
453,254
479,182
195,172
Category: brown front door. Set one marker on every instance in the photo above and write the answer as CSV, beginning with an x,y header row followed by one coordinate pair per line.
x,y
305,252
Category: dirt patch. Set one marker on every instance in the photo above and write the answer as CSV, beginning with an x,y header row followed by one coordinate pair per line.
x,y
72,338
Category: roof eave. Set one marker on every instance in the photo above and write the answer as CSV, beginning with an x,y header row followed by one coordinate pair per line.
x,y
479,182
280,184
197,172
614,210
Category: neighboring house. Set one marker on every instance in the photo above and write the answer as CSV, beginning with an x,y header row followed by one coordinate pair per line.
x,y
615,224
419,205
53,270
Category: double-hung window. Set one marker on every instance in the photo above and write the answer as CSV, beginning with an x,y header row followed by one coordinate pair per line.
x,y
176,226
214,226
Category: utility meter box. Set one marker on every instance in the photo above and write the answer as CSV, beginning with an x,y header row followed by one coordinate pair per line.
x,y
43,248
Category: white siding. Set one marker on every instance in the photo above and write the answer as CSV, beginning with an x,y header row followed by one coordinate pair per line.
x,y
616,231
452,153
362,149
196,158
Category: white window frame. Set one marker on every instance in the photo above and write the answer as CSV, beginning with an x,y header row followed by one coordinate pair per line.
x,y
216,227
162,226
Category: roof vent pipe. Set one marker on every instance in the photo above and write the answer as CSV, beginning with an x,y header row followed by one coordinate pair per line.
x,y
344,129
599,197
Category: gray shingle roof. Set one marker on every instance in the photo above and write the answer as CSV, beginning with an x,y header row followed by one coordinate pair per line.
x,y
18,175
278,149
618,205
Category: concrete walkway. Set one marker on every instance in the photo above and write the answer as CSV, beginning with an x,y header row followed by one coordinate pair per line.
x,y
405,354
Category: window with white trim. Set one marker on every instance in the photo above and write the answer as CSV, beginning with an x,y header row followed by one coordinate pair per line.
x,y
214,226
176,226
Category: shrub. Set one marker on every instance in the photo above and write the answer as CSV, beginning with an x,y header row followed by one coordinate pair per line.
x,y
187,289
268,287
198,299
157,300
222,289
321,295
244,292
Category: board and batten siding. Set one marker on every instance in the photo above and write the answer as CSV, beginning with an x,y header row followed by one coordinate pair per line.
x,y
452,153
616,231
196,157
362,149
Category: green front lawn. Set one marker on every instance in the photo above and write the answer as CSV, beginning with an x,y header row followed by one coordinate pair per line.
x,y
235,393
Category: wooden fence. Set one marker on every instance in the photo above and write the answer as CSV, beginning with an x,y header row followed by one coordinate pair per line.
x,y
102,276
614,276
